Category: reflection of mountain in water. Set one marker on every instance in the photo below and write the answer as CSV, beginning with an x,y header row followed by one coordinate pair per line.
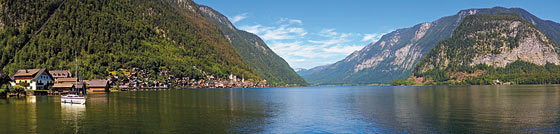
x,y
19,115
470,109
178,111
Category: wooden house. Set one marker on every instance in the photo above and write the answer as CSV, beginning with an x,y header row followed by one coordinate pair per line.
x,y
65,87
77,85
60,74
97,86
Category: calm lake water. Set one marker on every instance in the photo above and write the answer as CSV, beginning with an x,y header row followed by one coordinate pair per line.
x,y
442,109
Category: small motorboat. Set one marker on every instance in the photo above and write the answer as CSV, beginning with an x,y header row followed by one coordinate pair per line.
x,y
73,99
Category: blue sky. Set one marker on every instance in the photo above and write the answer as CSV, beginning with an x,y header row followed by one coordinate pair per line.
x,y
308,33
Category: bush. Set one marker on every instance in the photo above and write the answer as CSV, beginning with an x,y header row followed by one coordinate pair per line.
x,y
16,89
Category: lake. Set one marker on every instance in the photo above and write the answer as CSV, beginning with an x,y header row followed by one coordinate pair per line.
x,y
439,109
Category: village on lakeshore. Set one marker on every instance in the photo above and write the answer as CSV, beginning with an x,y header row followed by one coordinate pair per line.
x,y
58,82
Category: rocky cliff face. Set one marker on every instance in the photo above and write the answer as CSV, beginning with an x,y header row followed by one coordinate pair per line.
x,y
396,54
494,41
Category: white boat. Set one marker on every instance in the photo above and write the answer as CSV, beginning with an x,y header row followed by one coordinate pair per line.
x,y
73,99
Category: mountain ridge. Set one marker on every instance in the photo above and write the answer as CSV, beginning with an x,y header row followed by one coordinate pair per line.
x,y
396,53
165,35
255,52
494,47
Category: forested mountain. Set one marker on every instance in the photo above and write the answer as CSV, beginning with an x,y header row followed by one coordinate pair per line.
x,y
255,52
395,55
112,34
492,47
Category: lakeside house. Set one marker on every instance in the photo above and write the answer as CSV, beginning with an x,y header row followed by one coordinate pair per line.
x,y
97,86
67,85
60,74
63,87
34,79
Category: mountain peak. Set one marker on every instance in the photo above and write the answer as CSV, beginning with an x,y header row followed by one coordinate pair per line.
x,y
395,55
486,43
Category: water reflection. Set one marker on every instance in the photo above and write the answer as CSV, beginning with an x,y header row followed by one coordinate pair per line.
x,y
72,116
463,109
18,115
176,111
468,109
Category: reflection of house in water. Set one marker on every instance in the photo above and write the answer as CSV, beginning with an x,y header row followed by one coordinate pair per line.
x,y
72,115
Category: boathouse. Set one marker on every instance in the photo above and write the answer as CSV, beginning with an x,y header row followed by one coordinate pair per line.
x,y
62,85
98,85
63,88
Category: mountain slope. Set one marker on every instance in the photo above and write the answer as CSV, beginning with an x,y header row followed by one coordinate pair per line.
x,y
255,52
305,72
496,46
153,35
395,54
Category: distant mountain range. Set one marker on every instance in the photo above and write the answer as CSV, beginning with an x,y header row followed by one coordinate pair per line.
x,y
176,35
395,55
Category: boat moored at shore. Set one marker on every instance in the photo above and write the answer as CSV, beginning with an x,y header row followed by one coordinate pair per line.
x,y
73,99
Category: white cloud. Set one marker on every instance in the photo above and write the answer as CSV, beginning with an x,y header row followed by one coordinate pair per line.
x,y
328,42
282,32
346,50
372,37
290,21
251,29
238,17
299,60
328,33
301,48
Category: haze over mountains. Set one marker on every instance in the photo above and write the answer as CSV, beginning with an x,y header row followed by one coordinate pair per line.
x,y
395,55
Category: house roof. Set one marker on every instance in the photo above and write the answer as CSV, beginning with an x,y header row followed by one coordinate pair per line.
x,y
35,73
60,73
98,83
63,85
66,80
26,72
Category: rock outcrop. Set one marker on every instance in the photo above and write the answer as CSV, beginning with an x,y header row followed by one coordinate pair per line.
x,y
397,53
493,40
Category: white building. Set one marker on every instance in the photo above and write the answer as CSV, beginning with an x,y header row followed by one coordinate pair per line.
x,y
34,79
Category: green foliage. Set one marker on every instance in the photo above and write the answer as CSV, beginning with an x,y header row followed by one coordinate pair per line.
x,y
4,78
108,35
17,89
401,83
518,72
